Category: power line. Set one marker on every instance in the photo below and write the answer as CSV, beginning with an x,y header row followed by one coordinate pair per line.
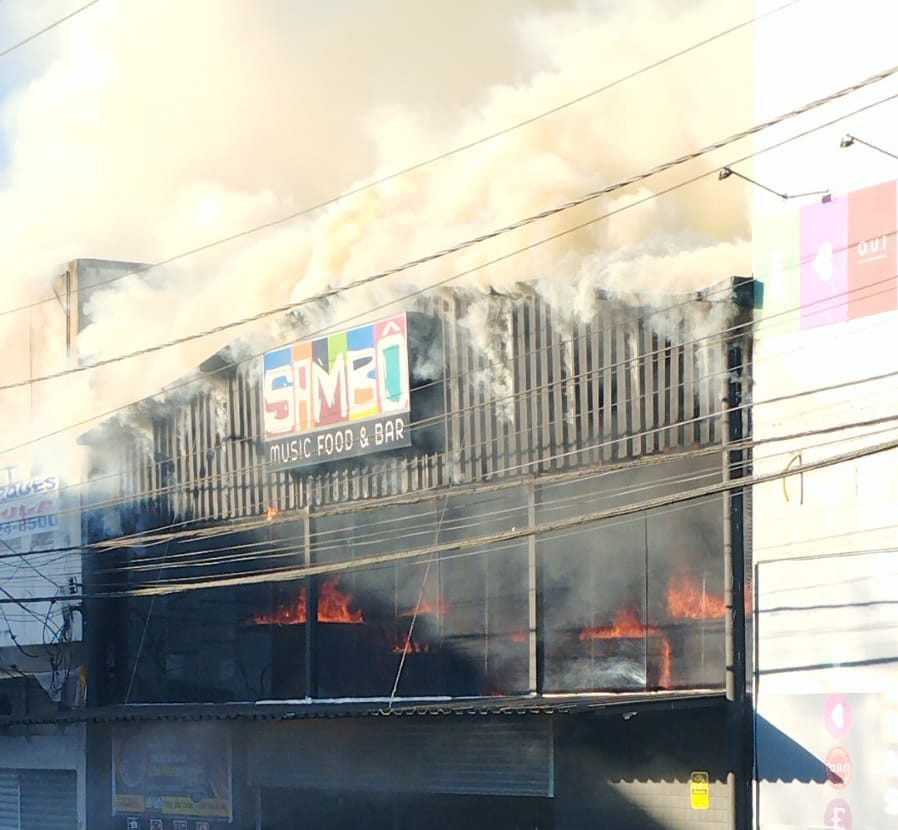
x,y
544,481
46,29
357,541
654,312
442,282
585,448
590,446
546,527
411,628
558,479
159,535
783,142
486,540
791,472
471,242
780,438
422,423
755,327
25,561
381,529
418,165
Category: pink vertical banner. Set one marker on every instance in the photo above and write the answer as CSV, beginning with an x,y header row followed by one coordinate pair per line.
x,y
824,263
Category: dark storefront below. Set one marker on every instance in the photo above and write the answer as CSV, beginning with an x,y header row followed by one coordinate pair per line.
x,y
293,809
626,766
628,605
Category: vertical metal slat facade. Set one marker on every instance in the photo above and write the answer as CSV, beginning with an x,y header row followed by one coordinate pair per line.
x,y
583,391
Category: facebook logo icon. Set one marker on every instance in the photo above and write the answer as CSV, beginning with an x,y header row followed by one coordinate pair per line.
x,y
837,815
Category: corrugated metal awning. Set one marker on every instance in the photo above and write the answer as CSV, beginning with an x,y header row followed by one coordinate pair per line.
x,y
377,708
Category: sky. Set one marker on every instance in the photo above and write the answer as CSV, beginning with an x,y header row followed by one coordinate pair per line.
x,y
138,130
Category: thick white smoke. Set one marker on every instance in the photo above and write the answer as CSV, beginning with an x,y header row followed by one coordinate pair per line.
x,y
151,128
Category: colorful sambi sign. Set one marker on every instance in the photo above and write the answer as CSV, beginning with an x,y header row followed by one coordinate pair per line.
x,y
169,769
338,396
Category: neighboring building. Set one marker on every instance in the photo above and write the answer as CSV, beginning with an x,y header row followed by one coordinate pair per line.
x,y
42,770
43,666
824,539
473,652
43,661
825,372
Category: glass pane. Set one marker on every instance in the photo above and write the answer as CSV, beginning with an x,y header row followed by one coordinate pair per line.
x,y
594,629
686,598
485,628
209,644
449,623
635,601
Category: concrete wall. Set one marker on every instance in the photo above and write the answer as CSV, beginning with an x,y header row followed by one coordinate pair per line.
x,y
632,769
824,541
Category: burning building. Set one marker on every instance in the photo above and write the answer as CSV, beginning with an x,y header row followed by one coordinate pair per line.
x,y
415,573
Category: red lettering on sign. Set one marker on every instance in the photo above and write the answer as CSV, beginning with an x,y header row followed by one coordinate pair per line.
x,y
838,766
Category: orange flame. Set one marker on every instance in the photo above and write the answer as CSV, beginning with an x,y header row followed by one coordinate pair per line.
x,y
666,658
435,609
627,623
688,601
411,646
286,614
271,512
334,606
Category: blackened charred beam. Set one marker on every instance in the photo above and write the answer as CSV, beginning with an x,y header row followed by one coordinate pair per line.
x,y
739,715
311,628
536,663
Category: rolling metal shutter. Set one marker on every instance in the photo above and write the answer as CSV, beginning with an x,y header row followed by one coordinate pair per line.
x,y
502,756
48,799
9,800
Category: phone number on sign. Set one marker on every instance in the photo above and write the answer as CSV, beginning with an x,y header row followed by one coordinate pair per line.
x,y
31,523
